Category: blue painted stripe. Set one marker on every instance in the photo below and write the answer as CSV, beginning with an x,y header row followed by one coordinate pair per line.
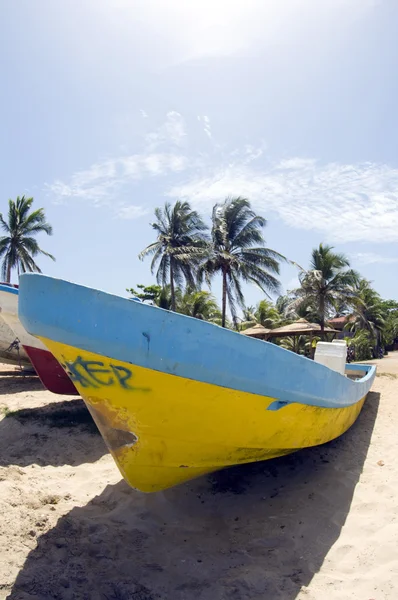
x,y
150,337
8,288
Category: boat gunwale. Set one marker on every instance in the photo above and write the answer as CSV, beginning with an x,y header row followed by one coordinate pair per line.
x,y
69,313
8,289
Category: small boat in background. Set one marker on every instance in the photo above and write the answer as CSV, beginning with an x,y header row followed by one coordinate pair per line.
x,y
51,374
11,350
176,397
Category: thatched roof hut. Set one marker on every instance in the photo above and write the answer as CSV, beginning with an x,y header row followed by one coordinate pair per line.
x,y
258,331
300,327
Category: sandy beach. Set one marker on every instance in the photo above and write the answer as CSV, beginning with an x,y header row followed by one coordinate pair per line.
x,y
319,524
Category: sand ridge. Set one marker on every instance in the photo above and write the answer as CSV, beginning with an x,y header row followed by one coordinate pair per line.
x,y
319,524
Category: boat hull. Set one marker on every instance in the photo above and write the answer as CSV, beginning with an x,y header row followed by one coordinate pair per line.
x,y
175,397
50,372
11,351
163,430
31,350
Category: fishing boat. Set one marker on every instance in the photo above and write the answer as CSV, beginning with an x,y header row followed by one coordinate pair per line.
x,y
175,397
51,374
11,350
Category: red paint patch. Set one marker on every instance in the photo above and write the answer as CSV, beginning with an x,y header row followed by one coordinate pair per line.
x,y
51,374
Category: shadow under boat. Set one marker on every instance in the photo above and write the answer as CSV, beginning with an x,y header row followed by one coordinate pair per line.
x,y
55,434
14,381
258,531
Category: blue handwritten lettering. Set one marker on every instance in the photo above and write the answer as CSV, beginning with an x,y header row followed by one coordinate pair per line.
x,y
96,374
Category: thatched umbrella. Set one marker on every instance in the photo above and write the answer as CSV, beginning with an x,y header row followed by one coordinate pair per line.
x,y
300,327
258,331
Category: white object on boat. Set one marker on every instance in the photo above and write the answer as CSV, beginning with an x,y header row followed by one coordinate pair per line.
x,y
331,355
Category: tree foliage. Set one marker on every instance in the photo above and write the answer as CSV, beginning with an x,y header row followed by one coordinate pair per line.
x,y
178,247
367,312
327,283
236,252
18,247
185,256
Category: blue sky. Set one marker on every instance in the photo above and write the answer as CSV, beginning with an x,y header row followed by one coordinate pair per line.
x,y
110,108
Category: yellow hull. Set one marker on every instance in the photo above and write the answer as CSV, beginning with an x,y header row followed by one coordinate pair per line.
x,y
163,430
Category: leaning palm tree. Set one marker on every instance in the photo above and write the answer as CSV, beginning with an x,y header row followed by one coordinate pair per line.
x,y
179,246
327,282
237,253
18,247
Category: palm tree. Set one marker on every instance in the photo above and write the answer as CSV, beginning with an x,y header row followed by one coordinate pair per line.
x,y
265,314
200,305
324,285
236,252
282,305
368,313
164,299
249,318
179,246
362,343
18,247
390,329
268,315
300,344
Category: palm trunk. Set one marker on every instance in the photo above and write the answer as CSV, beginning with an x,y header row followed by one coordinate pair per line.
x,y
322,315
378,343
172,291
8,274
224,298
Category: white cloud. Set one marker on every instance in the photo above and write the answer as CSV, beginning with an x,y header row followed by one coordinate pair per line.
x,y
370,258
343,202
173,131
252,153
143,113
101,183
206,125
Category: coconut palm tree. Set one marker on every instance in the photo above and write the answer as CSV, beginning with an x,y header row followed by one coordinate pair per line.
x,y
18,247
178,247
265,314
249,314
368,313
328,281
390,329
268,315
300,344
282,305
248,319
200,305
362,342
237,253
164,299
